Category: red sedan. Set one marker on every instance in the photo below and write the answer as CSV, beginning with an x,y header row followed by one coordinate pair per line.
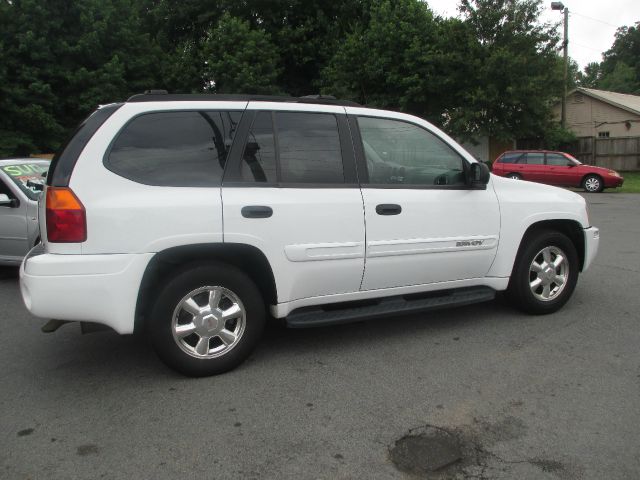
x,y
555,168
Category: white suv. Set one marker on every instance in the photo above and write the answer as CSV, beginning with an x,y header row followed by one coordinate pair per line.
x,y
187,217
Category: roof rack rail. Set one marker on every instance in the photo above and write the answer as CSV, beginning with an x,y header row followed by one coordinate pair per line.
x,y
164,96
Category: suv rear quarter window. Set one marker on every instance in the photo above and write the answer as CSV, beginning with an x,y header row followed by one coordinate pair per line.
x,y
177,148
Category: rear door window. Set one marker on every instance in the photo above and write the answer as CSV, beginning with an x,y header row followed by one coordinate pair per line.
x,y
259,155
291,148
535,158
309,148
178,149
512,158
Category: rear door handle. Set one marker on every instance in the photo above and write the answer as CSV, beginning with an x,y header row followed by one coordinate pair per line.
x,y
388,209
256,211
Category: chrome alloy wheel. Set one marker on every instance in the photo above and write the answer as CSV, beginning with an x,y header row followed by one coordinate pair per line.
x,y
548,273
208,322
592,184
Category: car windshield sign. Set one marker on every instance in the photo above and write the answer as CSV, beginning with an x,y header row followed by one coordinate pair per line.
x,y
20,174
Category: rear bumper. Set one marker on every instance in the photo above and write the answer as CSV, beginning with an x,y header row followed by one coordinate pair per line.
x,y
93,288
591,243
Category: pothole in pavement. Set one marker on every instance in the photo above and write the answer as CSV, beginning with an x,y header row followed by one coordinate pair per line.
x,y
435,453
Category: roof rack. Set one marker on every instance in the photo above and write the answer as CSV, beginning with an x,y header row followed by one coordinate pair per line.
x,y
164,96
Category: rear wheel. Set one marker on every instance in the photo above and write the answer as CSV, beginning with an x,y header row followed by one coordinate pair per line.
x,y
545,273
207,320
514,176
593,184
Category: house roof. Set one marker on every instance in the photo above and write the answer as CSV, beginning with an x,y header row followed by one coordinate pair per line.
x,y
630,103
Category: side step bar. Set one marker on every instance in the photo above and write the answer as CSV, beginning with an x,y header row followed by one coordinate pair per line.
x,y
400,305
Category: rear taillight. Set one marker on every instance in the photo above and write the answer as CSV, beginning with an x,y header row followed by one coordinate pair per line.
x,y
66,217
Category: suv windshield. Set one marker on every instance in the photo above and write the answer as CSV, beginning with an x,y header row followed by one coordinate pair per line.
x,y
21,173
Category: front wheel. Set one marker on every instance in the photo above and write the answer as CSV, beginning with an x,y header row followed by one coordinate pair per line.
x,y
545,273
207,320
593,184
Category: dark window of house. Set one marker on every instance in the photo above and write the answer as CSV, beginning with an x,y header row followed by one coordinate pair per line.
x,y
309,148
179,149
535,159
259,155
399,152
557,160
603,134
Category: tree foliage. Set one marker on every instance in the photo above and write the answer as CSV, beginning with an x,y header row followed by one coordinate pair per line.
x,y
619,70
495,71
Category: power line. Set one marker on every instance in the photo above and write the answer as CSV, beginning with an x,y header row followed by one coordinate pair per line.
x,y
594,19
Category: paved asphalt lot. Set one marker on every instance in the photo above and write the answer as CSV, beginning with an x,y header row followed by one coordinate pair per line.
x,y
555,397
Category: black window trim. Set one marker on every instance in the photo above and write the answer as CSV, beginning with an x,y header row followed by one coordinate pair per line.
x,y
363,173
105,157
232,176
64,161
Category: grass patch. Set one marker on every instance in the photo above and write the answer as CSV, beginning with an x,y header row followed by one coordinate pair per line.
x,y
631,183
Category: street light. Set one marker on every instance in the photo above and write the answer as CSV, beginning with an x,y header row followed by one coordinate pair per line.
x,y
565,45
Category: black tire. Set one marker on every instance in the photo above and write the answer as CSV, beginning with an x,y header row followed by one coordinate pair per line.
x,y
186,281
514,176
520,294
593,184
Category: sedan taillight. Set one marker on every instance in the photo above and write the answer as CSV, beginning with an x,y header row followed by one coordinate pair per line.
x,y
65,216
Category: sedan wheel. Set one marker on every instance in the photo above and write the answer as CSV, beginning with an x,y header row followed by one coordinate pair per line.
x,y
593,184
514,176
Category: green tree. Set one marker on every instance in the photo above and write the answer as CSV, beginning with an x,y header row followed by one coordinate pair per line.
x,y
239,59
61,59
516,71
399,59
620,68
590,77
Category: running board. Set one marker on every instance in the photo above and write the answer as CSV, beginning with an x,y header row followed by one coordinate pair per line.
x,y
382,307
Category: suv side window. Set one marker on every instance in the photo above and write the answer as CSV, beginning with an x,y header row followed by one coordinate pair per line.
x,y
305,149
557,160
399,152
309,148
177,148
259,155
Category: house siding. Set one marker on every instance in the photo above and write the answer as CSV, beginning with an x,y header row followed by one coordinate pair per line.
x,y
590,116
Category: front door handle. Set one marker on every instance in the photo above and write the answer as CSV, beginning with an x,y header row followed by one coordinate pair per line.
x,y
388,209
256,211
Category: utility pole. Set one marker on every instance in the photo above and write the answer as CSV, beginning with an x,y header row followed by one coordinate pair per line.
x,y
565,47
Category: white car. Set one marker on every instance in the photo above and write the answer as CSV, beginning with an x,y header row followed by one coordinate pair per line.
x,y
188,217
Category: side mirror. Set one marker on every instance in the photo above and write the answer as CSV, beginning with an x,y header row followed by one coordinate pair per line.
x,y
5,201
478,176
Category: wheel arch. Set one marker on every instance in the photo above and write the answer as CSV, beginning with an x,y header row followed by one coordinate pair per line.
x,y
247,258
571,228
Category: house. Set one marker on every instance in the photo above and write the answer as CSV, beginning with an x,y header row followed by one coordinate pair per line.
x,y
601,114
607,125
